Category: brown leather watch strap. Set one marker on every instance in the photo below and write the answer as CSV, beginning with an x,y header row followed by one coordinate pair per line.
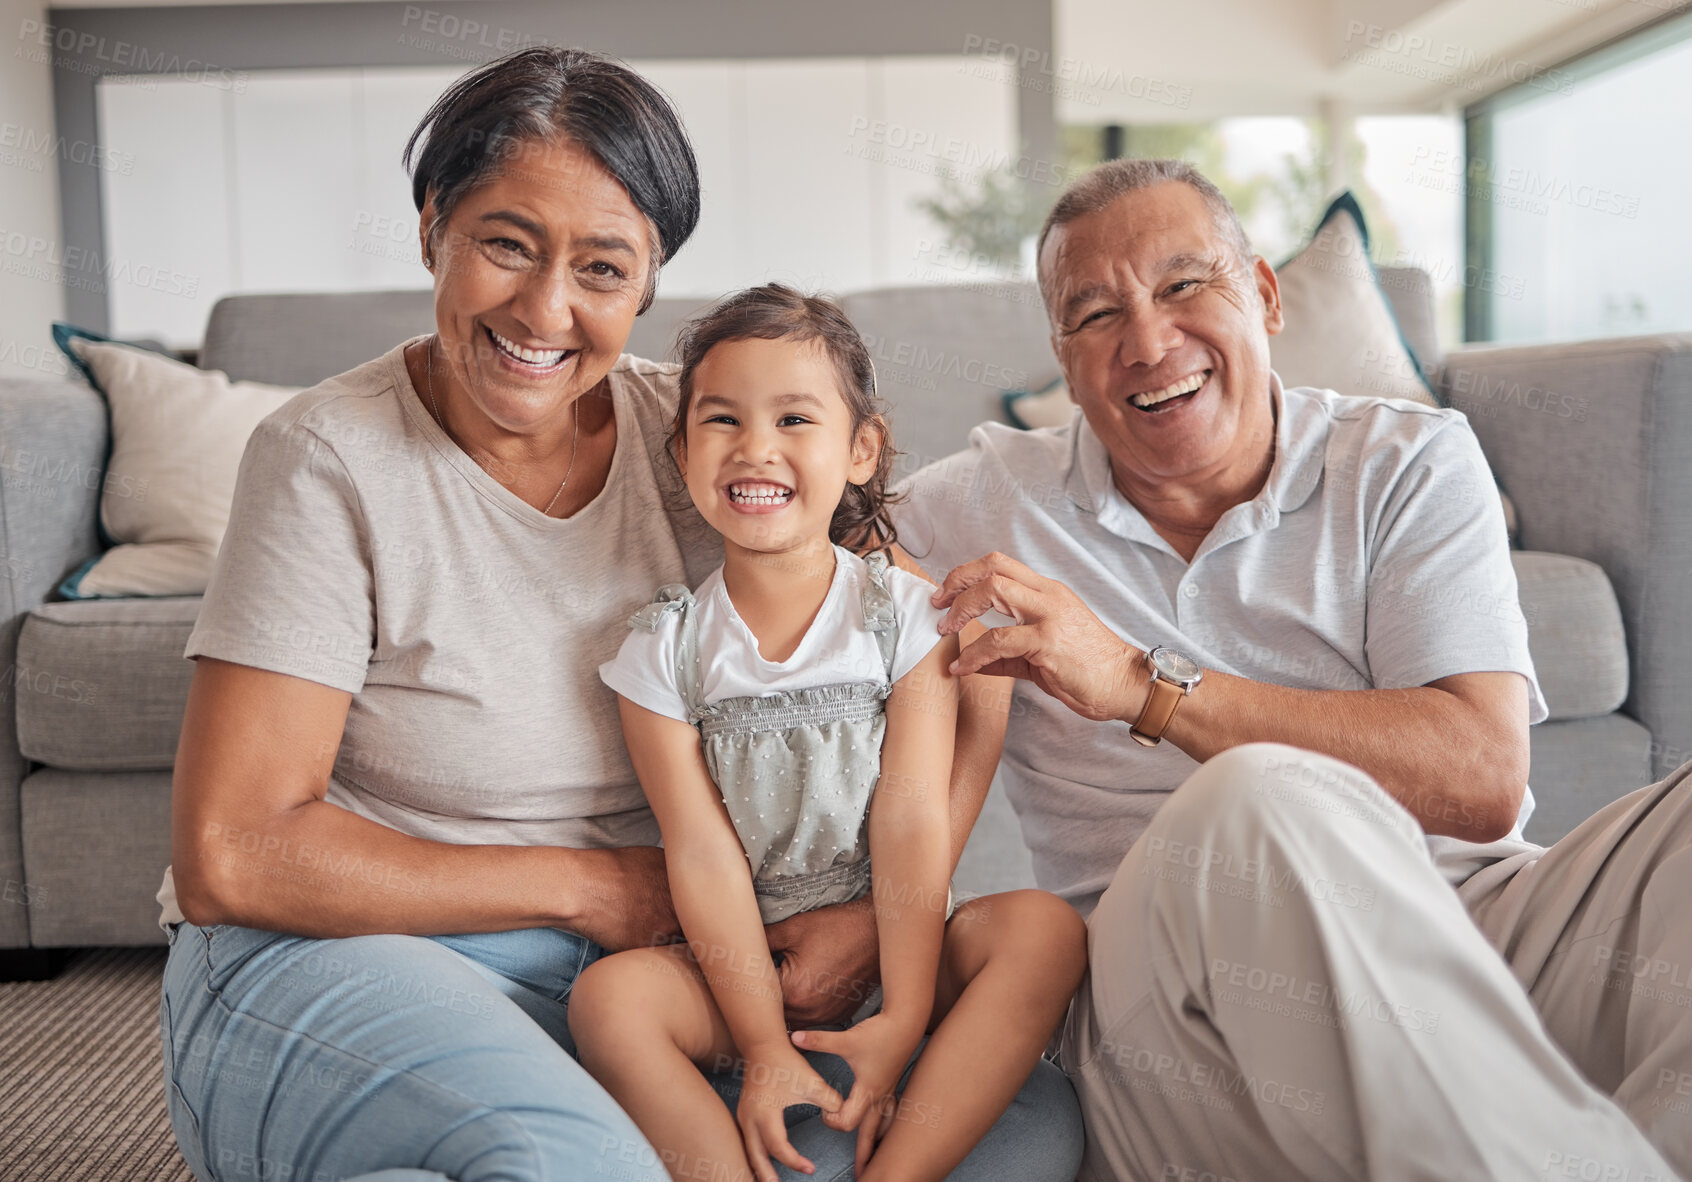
x,y
1155,715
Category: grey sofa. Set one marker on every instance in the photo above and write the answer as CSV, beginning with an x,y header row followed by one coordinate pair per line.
x,y
1594,442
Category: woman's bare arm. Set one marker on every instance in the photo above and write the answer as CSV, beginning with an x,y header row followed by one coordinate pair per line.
x,y
254,842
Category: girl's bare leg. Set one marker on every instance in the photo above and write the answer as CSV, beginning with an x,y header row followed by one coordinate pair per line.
x,y
645,1024
1008,967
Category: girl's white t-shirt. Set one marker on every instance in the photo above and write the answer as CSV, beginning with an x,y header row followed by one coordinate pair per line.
x,y
837,647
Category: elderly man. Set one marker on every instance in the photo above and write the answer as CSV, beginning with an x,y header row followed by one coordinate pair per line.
x,y
1273,708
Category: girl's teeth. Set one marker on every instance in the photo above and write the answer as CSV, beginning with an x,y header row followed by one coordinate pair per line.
x,y
772,497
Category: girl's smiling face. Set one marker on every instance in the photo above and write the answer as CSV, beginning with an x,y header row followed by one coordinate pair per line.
x,y
768,447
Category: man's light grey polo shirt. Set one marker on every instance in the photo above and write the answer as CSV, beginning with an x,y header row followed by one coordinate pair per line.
x,y
1374,557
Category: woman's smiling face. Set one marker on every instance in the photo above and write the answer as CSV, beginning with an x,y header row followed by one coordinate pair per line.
x,y
539,273
769,447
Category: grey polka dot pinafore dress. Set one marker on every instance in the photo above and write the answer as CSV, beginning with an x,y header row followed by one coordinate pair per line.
x,y
796,769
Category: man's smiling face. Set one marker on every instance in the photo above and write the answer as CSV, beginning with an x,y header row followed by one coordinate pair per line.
x,y
1162,331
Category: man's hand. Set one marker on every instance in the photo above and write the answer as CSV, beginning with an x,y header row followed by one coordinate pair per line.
x,y
620,898
831,962
1057,642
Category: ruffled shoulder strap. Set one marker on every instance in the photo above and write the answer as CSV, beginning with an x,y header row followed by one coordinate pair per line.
x,y
879,615
675,599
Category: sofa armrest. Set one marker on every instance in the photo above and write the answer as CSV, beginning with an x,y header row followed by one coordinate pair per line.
x,y
52,455
1593,442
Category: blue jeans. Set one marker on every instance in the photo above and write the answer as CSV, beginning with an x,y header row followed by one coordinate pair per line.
x,y
412,1059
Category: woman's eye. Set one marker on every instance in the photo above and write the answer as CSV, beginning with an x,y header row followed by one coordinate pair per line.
x,y
603,275
506,252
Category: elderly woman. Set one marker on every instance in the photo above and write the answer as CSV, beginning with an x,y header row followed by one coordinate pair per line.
x,y
404,817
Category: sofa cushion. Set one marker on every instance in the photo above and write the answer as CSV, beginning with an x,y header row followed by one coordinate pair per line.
x,y
177,437
1410,292
300,339
95,845
1574,633
101,683
946,356
1581,765
1341,332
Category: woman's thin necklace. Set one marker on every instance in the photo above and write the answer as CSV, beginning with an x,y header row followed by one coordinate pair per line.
x,y
575,427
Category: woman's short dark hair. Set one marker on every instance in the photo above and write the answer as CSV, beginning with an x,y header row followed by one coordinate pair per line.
x,y
776,312
545,93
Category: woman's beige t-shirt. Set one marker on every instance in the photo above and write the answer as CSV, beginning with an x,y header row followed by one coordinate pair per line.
x,y
367,552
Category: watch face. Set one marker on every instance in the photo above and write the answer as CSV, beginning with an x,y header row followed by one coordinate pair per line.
x,y
1176,666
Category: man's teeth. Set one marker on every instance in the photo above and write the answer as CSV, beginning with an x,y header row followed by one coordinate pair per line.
x,y
540,357
759,494
1185,386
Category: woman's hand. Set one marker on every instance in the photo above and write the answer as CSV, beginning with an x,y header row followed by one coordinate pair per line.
x,y
877,1049
830,961
777,1077
620,898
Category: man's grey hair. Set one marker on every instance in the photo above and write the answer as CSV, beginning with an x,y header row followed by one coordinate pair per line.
x,y
1099,188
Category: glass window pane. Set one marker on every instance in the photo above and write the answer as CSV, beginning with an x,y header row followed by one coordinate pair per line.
x,y
1585,191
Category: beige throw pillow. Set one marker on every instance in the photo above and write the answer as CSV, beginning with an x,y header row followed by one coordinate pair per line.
x,y
177,437
1340,333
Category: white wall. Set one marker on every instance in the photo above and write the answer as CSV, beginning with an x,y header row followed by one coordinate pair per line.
x,y
292,182
31,291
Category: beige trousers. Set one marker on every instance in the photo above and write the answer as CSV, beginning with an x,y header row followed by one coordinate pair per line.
x,y
1284,986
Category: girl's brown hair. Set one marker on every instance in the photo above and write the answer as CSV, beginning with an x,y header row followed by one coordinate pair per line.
x,y
862,523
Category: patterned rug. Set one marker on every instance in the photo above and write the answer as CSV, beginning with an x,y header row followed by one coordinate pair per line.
x,y
81,1082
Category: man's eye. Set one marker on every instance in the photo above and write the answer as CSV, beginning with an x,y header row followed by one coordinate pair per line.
x,y
1092,318
1181,286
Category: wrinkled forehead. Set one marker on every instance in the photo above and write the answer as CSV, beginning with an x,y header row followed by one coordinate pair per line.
x,y
1134,241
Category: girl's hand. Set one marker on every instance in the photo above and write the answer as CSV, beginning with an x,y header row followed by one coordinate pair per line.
x,y
776,1079
878,1048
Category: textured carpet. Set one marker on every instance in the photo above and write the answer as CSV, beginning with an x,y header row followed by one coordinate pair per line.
x,y
82,1094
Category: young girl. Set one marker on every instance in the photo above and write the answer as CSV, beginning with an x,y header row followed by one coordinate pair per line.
x,y
800,688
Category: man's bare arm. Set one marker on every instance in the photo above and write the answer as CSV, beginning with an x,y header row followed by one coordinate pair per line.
x,y
1454,752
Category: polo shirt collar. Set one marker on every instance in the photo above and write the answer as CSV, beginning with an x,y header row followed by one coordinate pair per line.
x,y
1301,444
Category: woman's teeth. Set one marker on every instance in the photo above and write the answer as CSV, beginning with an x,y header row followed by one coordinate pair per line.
x,y
539,358
759,494
1174,390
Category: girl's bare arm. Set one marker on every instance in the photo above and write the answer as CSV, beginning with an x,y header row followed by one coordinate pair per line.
x,y
910,835
709,878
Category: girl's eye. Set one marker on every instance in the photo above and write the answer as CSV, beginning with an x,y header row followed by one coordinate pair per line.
x,y
726,420
792,421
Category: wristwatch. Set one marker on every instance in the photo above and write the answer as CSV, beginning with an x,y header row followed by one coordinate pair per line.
x,y
1173,676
